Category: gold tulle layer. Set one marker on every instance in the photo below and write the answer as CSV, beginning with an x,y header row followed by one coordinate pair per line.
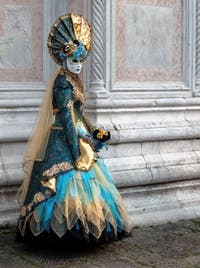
x,y
77,205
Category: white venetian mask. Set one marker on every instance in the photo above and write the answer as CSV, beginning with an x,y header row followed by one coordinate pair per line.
x,y
74,65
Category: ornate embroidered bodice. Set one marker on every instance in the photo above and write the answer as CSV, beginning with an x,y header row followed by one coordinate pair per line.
x,y
63,143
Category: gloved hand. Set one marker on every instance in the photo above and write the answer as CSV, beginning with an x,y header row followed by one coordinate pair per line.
x,y
96,139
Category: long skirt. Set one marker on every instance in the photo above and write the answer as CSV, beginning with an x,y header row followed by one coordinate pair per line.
x,y
86,206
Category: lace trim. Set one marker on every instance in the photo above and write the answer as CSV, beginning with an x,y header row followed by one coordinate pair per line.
x,y
64,166
38,198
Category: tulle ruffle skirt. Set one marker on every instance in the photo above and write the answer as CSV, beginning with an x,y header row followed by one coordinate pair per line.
x,y
86,204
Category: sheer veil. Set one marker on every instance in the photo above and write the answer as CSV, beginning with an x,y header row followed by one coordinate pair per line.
x,y
64,32
36,146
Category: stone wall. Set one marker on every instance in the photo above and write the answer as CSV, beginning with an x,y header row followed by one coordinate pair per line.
x,y
143,88
142,82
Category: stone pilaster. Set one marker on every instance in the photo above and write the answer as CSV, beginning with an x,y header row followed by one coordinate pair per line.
x,y
198,47
97,78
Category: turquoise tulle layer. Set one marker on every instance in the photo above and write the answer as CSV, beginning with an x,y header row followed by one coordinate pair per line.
x,y
67,185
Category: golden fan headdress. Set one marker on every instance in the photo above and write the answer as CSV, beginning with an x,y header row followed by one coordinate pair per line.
x,y
70,36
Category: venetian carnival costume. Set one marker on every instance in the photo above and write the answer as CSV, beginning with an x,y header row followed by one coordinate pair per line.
x,y
67,189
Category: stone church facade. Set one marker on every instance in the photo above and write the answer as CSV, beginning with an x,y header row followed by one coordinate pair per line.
x,y
142,83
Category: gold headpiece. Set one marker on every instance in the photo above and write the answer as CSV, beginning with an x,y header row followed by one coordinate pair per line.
x,y
70,36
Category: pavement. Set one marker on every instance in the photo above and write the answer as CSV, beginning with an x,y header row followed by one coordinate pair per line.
x,y
171,245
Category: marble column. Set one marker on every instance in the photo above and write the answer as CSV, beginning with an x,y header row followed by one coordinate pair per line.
x,y
97,76
197,47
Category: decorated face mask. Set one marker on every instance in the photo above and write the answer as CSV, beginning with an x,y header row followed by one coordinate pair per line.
x,y
74,65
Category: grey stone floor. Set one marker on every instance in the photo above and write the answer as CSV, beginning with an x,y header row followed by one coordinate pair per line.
x,y
172,245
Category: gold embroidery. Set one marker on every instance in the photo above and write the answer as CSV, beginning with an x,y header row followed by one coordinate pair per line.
x,y
70,104
71,107
64,166
77,85
78,95
56,128
38,197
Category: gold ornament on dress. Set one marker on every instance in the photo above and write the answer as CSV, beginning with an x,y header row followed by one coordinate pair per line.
x,y
70,48
64,166
77,85
38,197
56,128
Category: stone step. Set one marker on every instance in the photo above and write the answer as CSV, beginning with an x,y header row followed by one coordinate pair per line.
x,y
154,204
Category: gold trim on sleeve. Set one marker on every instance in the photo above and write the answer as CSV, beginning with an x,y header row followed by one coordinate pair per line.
x,y
57,128
64,166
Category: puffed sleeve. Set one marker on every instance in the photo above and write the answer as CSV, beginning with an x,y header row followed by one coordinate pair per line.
x,y
63,100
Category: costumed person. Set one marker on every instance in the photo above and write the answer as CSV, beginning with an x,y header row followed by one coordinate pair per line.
x,y
68,191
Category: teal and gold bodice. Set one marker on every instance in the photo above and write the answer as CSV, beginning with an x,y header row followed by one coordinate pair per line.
x,y
63,146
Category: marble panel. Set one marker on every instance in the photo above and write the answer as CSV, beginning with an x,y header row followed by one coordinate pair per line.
x,y
16,38
148,41
21,41
149,35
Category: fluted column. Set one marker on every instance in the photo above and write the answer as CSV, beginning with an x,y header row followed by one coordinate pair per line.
x,y
97,77
198,45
